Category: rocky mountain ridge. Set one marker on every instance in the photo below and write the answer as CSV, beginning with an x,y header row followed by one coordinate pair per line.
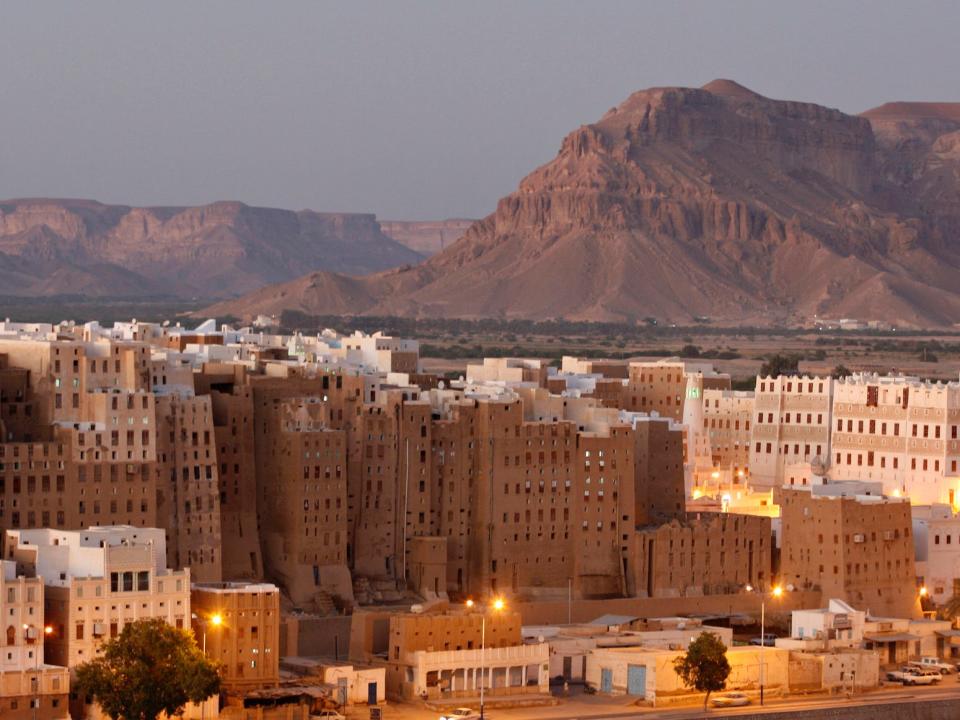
x,y
688,202
53,246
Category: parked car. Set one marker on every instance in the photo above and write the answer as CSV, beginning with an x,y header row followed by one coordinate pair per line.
x,y
461,714
910,678
731,699
766,640
327,715
944,667
928,672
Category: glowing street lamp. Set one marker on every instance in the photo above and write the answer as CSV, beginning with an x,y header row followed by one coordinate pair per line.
x,y
47,630
497,606
215,621
776,592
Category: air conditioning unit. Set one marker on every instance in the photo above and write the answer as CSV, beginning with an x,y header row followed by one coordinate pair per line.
x,y
31,633
859,537
98,629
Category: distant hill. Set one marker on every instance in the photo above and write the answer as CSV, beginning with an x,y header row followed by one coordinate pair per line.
x,y
50,246
426,237
689,202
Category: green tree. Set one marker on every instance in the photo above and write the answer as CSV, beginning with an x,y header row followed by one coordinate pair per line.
x,y
149,669
704,667
926,355
841,371
780,365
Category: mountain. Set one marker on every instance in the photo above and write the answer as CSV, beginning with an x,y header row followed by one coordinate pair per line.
x,y
688,202
50,247
426,237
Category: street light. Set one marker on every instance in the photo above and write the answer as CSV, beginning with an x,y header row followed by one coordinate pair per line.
x,y
47,630
776,592
216,620
497,605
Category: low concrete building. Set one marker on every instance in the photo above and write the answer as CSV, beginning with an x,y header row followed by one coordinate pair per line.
x,y
570,645
510,670
440,655
350,684
898,640
836,626
649,673
837,670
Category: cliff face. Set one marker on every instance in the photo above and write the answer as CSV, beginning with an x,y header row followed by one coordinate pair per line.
x,y
426,237
227,248
717,202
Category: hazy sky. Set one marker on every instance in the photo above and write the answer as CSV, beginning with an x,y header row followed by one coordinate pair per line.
x,y
406,109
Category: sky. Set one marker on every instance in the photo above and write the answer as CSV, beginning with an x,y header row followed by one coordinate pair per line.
x,y
410,110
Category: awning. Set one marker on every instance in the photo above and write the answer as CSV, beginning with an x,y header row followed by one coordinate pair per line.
x,y
890,637
948,633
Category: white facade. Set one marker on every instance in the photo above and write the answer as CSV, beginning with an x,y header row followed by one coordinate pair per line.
x,y
649,674
58,556
26,679
98,580
837,625
791,425
937,541
462,671
900,431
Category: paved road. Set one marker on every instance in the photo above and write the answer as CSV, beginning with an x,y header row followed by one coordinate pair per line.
x,y
620,708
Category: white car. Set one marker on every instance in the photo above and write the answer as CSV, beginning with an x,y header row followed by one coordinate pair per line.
x,y
945,668
732,699
910,678
461,714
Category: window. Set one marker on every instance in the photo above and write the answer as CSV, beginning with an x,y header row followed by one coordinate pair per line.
x,y
143,580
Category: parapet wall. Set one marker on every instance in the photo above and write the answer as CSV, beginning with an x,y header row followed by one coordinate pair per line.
x,y
555,612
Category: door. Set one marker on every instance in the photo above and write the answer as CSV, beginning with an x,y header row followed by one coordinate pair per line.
x,y
637,680
567,668
606,680
371,693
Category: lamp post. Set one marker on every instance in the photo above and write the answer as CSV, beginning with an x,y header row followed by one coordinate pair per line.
x,y
497,606
777,593
47,630
215,620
